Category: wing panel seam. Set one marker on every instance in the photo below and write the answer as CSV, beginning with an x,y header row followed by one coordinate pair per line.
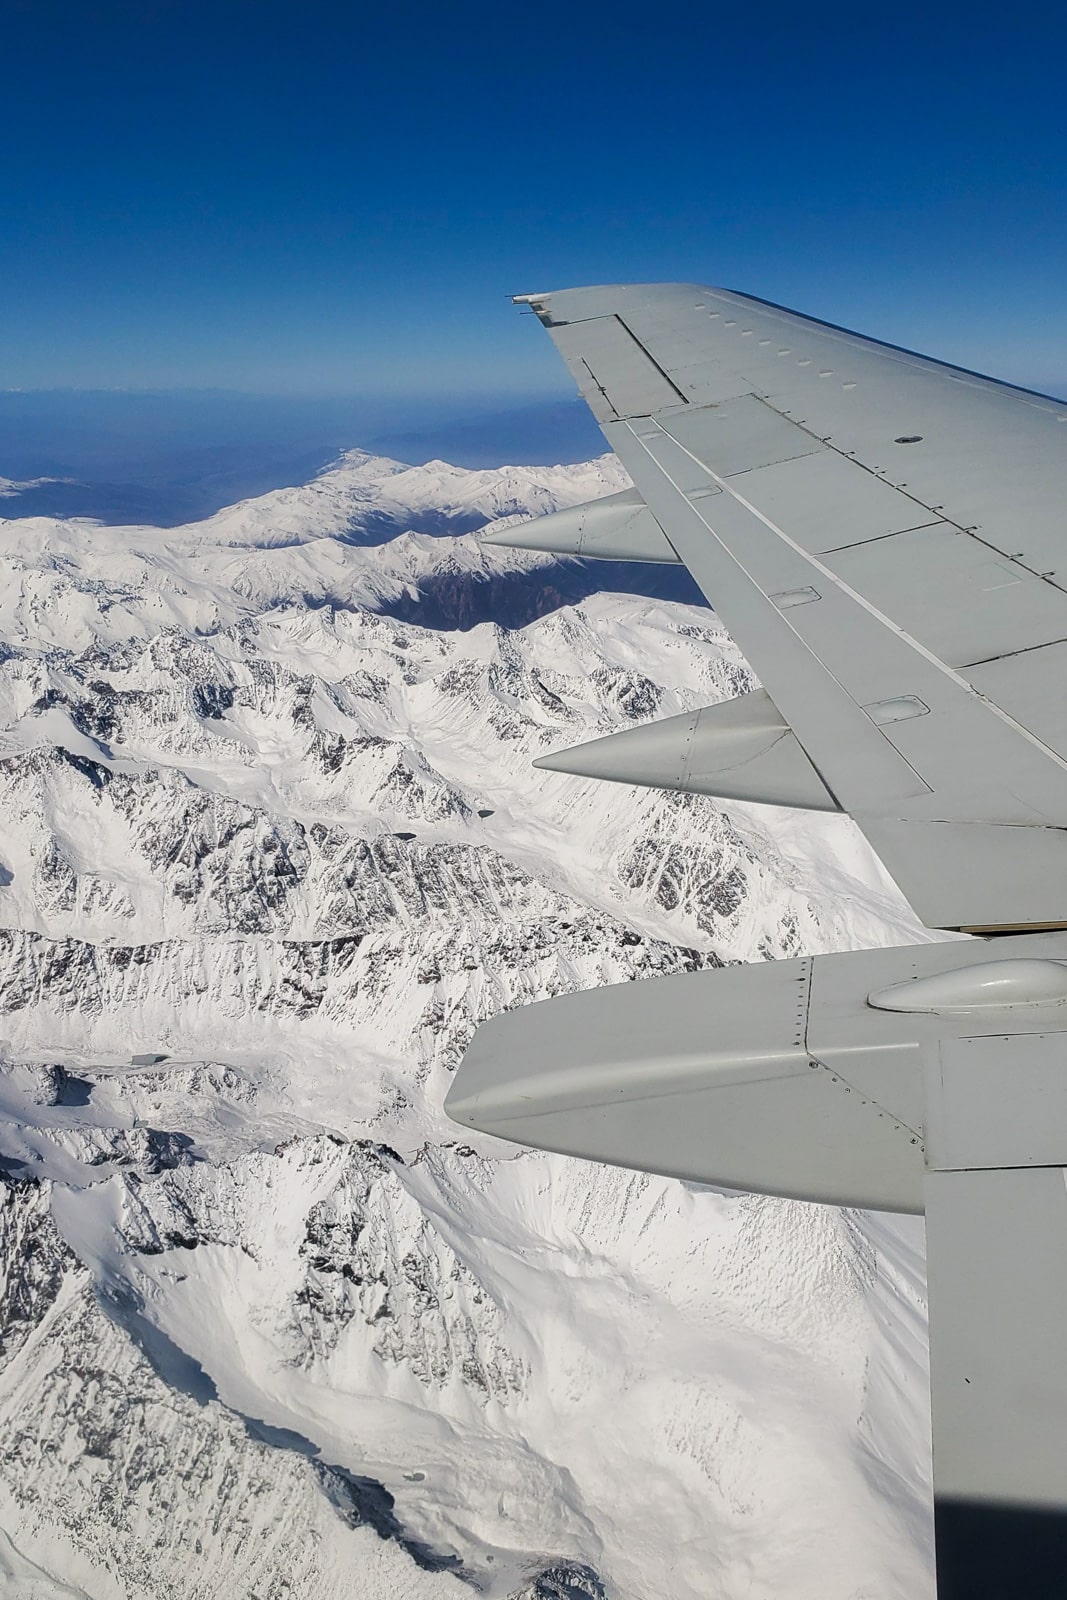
x,y
941,515
860,600
650,357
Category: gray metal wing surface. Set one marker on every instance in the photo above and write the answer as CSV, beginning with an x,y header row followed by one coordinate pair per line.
x,y
886,539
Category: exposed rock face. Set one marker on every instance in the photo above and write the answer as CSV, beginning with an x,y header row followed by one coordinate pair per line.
x,y
272,847
126,1476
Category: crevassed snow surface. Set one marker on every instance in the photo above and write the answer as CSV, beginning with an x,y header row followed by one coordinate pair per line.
x,y
268,1325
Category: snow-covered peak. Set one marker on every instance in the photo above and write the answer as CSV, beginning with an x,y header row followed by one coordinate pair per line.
x,y
366,499
66,582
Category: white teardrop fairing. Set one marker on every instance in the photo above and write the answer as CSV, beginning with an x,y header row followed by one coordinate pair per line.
x,y
990,986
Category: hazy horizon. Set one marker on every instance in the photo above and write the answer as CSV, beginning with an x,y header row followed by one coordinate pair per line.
x,y
168,457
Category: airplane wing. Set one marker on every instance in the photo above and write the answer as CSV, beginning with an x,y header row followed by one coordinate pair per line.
x,y
885,537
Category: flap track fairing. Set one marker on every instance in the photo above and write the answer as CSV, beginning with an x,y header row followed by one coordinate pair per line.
x,y
619,527
740,750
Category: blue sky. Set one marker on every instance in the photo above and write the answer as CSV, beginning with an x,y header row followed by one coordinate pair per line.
x,y
317,198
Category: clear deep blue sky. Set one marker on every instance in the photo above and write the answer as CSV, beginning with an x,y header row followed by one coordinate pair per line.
x,y
326,198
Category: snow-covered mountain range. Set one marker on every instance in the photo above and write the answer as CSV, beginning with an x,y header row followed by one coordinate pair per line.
x,y
272,846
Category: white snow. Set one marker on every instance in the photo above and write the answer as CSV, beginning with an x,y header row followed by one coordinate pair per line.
x,y
297,848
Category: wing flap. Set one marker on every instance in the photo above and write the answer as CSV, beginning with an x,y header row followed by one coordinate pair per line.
x,y
829,503
1029,685
996,1223
974,876
862,760
899,737
998,1306
954,593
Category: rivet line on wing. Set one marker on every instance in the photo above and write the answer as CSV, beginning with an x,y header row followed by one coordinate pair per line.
x,y
830,331
902,489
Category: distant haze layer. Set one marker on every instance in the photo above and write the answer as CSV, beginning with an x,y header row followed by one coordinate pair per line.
x,y
173,456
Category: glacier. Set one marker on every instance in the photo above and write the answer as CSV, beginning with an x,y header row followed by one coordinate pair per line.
x,y
272,846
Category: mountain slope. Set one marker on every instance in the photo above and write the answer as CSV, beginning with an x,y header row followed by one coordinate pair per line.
x,y
268,857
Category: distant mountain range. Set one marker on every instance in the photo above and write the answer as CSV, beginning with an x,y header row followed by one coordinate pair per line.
x,y
176,456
